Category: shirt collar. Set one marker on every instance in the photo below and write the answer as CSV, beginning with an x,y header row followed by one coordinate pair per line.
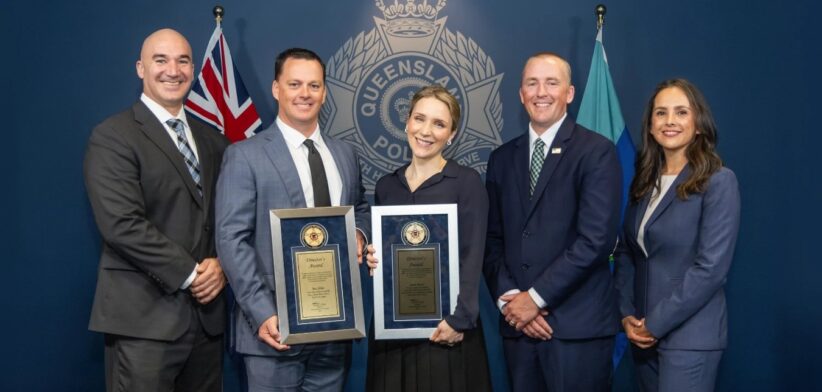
x,y
548,135
161,113
294,138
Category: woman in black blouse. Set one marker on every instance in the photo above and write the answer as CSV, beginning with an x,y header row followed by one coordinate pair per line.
x,y
454,358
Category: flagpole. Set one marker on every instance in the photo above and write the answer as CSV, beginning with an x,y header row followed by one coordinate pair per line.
x,y
600,13
218,11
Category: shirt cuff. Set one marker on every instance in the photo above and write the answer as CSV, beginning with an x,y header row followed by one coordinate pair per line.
x,y
537,298
500,303
190,279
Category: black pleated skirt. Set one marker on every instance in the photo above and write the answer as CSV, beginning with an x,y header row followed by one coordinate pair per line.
x,y
419,365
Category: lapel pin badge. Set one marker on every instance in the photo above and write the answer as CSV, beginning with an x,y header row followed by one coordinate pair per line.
x,y
556,150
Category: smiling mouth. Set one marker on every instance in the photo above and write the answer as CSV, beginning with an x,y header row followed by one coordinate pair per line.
x,y
173,83
424,143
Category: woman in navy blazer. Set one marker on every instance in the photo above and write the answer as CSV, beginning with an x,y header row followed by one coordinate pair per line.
x,y
676,245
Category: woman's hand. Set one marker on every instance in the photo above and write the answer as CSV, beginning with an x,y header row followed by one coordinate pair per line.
x,y
637,333
446,335
371,260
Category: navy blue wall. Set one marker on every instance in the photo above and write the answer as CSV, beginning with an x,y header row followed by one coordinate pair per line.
x,y
68,65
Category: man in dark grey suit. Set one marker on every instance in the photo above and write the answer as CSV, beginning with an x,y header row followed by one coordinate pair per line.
x,y
150,174
274,170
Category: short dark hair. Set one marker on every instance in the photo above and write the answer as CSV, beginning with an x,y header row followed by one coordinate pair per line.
x,y
295,53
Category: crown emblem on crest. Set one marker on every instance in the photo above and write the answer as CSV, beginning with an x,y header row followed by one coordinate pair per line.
x,y
410,19
402,106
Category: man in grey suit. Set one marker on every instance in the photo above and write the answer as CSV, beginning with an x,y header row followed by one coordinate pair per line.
x,y
289,165
150,174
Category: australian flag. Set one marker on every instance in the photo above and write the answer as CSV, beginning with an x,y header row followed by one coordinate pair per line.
x,y
219,97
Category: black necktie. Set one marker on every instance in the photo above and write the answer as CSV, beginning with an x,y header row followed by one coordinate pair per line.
x,y
319,182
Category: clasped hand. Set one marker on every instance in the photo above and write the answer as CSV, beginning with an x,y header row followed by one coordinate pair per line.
x,y
637,333
522,313
209,281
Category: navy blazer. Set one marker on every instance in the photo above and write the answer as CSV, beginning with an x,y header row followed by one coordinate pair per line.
x,y
559,240
678,287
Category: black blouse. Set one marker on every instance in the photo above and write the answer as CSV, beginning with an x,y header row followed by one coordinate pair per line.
x,y
463,186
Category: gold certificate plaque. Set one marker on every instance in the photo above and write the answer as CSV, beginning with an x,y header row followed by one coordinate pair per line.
x,y
417,274
317,285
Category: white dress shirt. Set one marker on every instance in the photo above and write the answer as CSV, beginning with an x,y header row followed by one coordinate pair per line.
x,y
665,182
299,154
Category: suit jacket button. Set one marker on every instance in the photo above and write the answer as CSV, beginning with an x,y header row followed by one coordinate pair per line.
x,y
525,267
525,234
207,228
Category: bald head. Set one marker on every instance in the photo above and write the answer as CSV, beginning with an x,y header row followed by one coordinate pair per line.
x,y
551,56
162,36
166,68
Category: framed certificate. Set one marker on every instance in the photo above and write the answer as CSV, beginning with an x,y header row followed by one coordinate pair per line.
x,y
416,282
316,274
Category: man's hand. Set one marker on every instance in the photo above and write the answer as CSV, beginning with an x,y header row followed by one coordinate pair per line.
x,y
270,334
538,328
360,245
446,335
637,333
520,309
209,281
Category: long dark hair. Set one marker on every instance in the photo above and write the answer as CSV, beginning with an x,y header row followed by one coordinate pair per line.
x,y
701,153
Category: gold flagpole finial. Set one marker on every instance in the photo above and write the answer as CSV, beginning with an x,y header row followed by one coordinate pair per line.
x,y
600,12
218,11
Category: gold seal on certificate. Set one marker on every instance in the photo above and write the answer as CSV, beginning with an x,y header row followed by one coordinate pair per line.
x,y
313,235
415,233
317,285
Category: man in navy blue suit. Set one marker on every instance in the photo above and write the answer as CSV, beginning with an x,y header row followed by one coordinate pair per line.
x,y
554,196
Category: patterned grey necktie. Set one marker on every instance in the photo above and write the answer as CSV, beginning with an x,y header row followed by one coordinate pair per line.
x,y
188,154
537,159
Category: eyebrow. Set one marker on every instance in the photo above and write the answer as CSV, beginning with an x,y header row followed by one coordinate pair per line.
x,y
534,78
160,55
675,107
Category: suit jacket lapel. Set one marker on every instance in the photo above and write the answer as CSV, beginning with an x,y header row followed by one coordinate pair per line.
x,y
338,155
280,157
639,214
157,134
560,143
668,197
207,166
522,173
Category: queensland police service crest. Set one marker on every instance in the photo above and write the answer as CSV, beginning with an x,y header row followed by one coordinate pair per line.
x,y
373,76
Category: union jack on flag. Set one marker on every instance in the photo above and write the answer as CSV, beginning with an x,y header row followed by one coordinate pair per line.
x,y
219,97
